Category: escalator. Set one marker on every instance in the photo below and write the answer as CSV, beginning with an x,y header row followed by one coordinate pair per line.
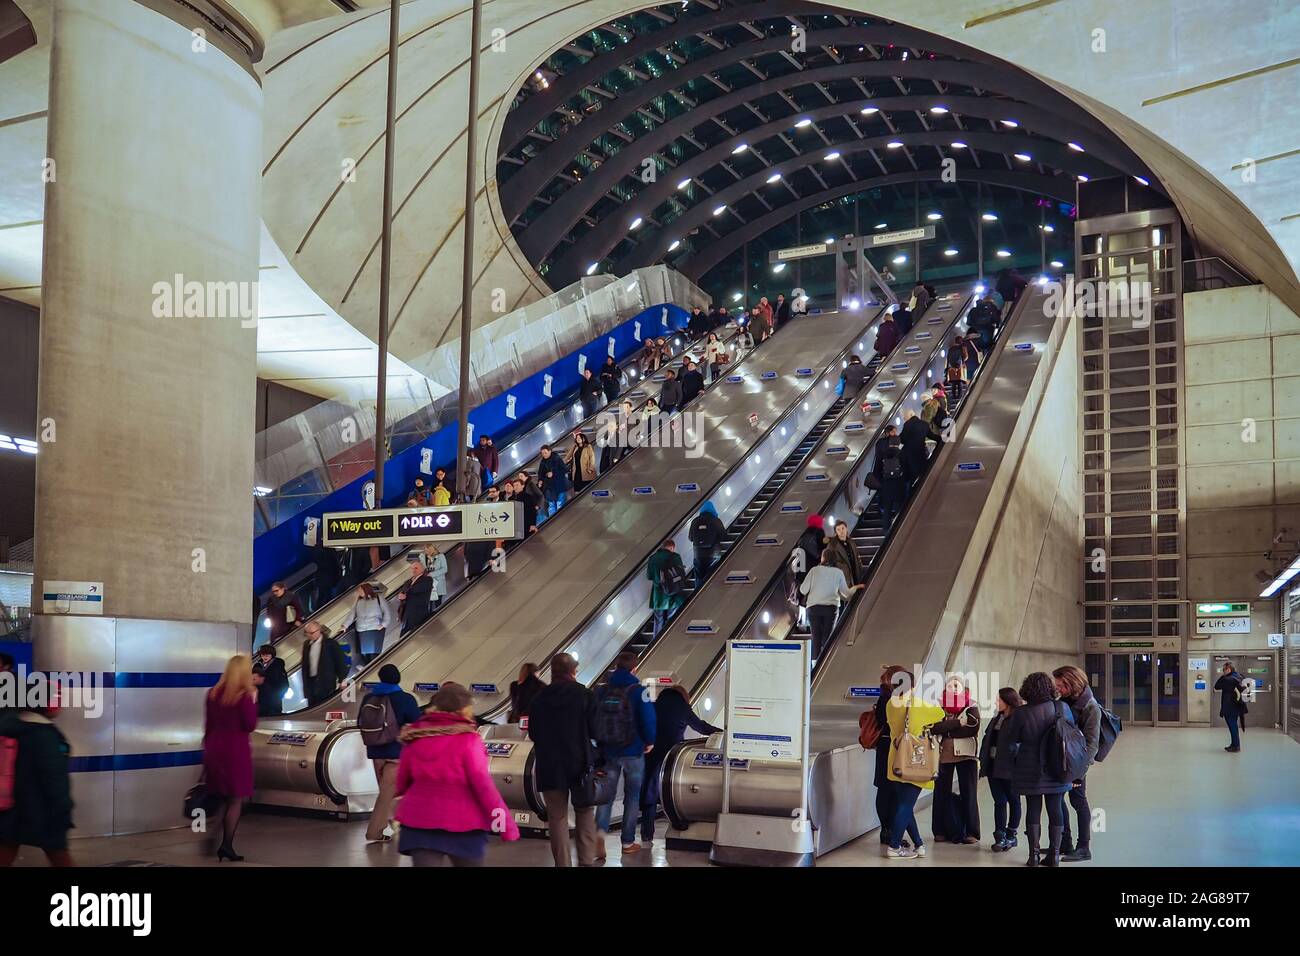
x,y
580,586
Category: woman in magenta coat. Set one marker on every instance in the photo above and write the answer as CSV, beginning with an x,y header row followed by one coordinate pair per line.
x,y
230,717
448,805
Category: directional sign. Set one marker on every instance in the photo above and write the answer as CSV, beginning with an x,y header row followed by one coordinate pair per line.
x,y
911,350
887,385
858,693
854,426
427,688
602,493
637,393
500,748
738,577
767,376
688,486
837,450
899,367
73,597
483,688
735,379
767,540
1023,346
644,490
701,627
969,467
902,235
815,476
803,372
485,521
791,506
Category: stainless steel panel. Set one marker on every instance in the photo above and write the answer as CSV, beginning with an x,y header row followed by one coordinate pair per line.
x,y
157,720
193,647
92,803
74,643
149,799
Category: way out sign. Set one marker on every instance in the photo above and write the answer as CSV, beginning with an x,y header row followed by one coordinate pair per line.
x,y
485,521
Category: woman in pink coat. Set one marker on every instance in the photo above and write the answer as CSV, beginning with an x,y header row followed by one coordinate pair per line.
x,y
448,804
230,717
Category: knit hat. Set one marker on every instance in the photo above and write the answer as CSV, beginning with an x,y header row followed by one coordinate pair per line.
x,y
816,521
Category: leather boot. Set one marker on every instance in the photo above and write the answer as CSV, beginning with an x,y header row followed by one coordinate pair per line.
x,y
1053,857
1031,837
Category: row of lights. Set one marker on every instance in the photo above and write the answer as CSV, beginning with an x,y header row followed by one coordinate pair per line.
x,y
25,445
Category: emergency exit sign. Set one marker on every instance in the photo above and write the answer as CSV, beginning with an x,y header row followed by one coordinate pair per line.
x,y
1223,609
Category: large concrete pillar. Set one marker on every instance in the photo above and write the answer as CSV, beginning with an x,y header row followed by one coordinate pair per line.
x,y
146,487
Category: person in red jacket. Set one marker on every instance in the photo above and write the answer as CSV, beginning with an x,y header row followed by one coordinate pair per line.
x,y
887,336
230,715
486,453
449,805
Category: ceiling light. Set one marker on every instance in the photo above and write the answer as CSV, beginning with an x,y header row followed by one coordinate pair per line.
x,y
778,268
1010,123
735,297
950,252
1142,181
719,210
683,184
1004,253
899,259
802,123
869,110
882,225
592,268
739,149
938,110
894,144
934,216
1083,179
774,177
1057,264
958,144
1023,157
828,242
833,154
990,217
674,244
636,223
1076,147
1049,228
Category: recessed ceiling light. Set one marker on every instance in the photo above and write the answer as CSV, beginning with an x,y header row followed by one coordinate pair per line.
x,y
899,259
1023,157
1142,181
774,177
958,144
1076,147
1004,253
950,252
592,268
674,245
719,210
740,149
894,144
990,217
1049,228
829,242
683,184
1057,264
778,268
833,154
1011,123
1083,179
802,123
869,110
938,110
636,223
882,225
735,297
934,216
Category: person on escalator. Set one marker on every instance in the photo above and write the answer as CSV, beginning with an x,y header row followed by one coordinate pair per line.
x,y
692,382
707,532
970,349
782,310
649,360
590,393
581,462
415,601
1010,284
713,348
384,711
887,337
823,588
807,553
532,500
670,396
668,584
328,574
560,727
623,724
421,493
554,477
324,665
698,325
903,320
611,379
449,805
283,611
673,715
470,485
522,692
934,412
853,377
435,563
843,554
372,619
271,681
915,454
982,322
356,567
891,475
478,557
488,460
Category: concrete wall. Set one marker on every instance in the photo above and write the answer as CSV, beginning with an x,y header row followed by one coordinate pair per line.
x,y
1026,615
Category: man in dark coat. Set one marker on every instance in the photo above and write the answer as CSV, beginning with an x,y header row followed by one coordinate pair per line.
x,y
328,575
42,812
1231,706
904,320
673,715
271,681
478,555
915,454
707,532
782,309
670,396
854,376
698,325
590,393
324,667
417,599
692,382
559,724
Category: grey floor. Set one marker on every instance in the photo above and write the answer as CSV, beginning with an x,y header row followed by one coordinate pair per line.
x,y
1168,797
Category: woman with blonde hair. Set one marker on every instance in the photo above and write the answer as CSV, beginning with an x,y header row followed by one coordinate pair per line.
x,y
230,716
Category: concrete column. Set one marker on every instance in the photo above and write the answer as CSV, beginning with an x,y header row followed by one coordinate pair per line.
x,y
155,139
156,175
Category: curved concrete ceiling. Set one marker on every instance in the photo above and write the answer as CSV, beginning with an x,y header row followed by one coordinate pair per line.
x,y
1193,93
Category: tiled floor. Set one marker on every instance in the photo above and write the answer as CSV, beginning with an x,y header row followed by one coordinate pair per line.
x,y
1169,798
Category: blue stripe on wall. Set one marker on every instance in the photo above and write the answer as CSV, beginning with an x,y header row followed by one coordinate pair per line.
x,y
124,680
181,758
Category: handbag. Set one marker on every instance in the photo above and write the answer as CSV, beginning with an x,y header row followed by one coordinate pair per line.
x,y
594,789
198,799
869,729
916,758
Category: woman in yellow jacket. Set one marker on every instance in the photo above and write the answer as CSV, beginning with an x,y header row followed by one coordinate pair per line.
x,y
905,794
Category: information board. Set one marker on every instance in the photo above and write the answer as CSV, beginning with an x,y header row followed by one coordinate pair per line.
x,y
502,520
767,700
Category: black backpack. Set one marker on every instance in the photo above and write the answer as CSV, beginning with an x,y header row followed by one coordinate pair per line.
x,y
1067,748
1110,730
672,579
892,466
703,534
377,720
614,724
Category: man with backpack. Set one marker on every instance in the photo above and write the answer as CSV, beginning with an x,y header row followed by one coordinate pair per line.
x,y
668,584
382,715
707,532
623,723
1232,705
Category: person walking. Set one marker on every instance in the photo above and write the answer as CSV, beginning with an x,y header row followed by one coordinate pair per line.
x,y
668,582
823,588
673,716
623,724
1006,803
1072,685
890,476
956,819
1232,706
384,711
415,603
522,692
914,451
559,725
707,532
449,807
554,479
1021,742
581,462
372,619
324,666
906,713
283,611
230,716
40,814
435,565
271,681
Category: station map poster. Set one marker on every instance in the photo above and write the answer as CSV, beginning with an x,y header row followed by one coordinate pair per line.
x,y
766,701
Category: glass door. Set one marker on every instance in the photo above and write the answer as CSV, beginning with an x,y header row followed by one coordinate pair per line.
x,y
1142,697
1169,683
1121,676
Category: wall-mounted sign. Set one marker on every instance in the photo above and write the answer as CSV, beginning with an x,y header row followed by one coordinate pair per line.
x,y
400,525
73,597
1223,625
500,748
1223,608
801,252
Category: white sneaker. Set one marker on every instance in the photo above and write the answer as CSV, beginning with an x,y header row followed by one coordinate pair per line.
x,y
903,853
920,850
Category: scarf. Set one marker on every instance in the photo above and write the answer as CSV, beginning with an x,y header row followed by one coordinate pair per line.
x,y
955,704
